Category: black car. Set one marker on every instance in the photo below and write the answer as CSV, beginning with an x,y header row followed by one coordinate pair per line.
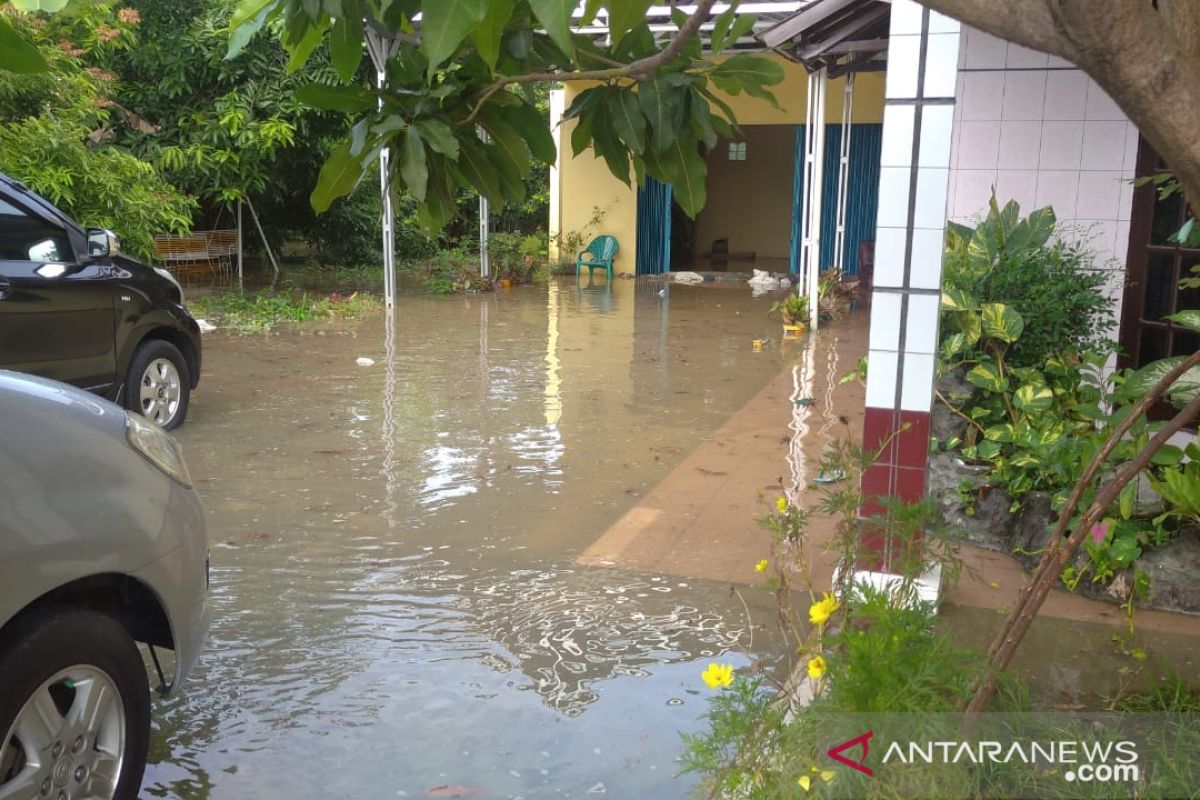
x,y
74,309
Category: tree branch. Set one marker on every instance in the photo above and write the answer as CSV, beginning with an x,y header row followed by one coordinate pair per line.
x,y
642,68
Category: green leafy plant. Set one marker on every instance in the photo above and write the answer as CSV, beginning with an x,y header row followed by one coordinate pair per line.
x,y
1020,263
263,311
793,309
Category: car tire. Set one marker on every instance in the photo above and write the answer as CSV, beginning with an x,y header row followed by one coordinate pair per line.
x,y
58,661
158,384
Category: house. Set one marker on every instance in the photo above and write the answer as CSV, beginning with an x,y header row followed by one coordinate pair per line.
x,y
963,114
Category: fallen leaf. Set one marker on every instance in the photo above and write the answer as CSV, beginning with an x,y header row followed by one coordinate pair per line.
x,y
455,790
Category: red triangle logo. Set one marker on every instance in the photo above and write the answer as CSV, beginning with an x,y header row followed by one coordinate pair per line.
x,y
836,752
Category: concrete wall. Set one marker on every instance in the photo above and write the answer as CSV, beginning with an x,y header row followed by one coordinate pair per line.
x,y
750,202
1044,134
581,186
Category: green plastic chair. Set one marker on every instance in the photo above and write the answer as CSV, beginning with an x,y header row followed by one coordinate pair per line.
x,y
599,254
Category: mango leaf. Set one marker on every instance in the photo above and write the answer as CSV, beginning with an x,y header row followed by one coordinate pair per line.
x,y
741,26
532,126
663,108
590,10
439,136
702,120
555,16
246,11
986,375
489,34
1001,322
16,54
350,99
413,168
338,177
478,169
720,30
1189,319
624,15
608,145
748,73
346,40
1033,397
444,25
301,49
628,122
507,140
683,167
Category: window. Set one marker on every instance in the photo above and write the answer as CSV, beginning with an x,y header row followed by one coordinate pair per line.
x,y
27,238
737,151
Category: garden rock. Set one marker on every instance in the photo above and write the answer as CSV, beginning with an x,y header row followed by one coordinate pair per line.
x,y
944,424
1173,569
1034,523
1149,502
992,520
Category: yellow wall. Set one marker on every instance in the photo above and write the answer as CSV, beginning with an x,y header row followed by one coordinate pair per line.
x,y
582,184
750,202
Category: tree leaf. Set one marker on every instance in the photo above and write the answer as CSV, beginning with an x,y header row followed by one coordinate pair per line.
x,y
439,136
346,40
741,26
720,30
478,169
555,16
1001,322
413,168
348,99
751,73
682,166
507,139
661,106
489,34
534,127
444,26
628,122
242,34
623,15
299,51
50,6
702,121
16,54
248,10
608,145
339,175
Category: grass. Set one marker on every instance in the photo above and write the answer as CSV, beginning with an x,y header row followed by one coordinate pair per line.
x,y
263,311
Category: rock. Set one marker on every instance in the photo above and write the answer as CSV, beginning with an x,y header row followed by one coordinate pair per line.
x,y
944,424
1149,502
954,387
363,361
1173,569
990,524
1034,523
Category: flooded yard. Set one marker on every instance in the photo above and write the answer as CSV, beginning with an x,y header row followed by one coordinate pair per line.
x,y
398,607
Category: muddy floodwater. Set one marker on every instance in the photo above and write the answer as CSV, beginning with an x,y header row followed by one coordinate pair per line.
x,y
398,611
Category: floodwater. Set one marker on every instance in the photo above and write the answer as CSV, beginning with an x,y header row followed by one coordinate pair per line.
x,y
397,608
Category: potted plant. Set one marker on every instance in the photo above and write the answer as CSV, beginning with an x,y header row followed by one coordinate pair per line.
x,y
793,309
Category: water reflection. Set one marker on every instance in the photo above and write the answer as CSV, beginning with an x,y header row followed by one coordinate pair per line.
x,y
394,547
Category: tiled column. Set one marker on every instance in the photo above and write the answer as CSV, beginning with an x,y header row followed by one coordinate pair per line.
x,y
915,160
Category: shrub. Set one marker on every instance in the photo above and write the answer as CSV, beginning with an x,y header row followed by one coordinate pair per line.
x,y
1051,283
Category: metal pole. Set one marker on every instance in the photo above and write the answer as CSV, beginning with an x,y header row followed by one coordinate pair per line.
x,y
239,226
843,188
484,266
266,245
814,160
380,50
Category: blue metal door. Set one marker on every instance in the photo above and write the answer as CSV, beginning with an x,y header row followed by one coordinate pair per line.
x,y
654,228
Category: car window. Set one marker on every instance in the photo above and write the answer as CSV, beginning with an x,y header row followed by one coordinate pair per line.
x,y
24,237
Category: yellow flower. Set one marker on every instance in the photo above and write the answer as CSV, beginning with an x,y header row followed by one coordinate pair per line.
x,y
781,503
761,566
823,609
816,667
805,782
718,675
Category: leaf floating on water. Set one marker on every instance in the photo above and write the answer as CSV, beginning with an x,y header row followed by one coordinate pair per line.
x,y
599,788
455,790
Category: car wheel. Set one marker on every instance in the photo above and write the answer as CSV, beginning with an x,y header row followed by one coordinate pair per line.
x,y
158,385
75,710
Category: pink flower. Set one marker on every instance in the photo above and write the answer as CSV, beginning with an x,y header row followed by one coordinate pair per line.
x,y
1099,531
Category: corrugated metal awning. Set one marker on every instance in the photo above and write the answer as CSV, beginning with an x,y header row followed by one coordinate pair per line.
x,y
841,35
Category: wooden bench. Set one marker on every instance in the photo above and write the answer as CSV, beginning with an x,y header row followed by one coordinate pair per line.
x,y
198,252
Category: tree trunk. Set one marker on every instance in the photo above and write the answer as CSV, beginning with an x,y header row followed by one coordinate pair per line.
x,y
1144,53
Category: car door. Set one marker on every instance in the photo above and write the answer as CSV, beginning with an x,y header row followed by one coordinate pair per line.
x,y
56,309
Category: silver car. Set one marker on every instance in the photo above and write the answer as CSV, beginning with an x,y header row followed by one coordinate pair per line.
x,y
102,545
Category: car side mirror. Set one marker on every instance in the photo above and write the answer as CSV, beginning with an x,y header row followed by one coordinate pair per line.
x,y
102,242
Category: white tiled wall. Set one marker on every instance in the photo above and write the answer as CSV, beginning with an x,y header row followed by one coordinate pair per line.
x,y
1041,132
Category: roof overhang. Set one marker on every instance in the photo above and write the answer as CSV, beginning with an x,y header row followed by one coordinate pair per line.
x,y
768,14
841,36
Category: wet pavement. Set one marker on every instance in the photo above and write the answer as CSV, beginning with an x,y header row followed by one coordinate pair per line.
x,y
398,607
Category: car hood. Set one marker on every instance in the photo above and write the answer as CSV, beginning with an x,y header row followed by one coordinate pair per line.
x,y
27,400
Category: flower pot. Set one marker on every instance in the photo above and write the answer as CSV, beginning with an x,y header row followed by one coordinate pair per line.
x,y
506,283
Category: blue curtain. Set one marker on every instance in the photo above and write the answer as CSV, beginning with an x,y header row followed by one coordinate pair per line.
x,y
862,199
654,228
